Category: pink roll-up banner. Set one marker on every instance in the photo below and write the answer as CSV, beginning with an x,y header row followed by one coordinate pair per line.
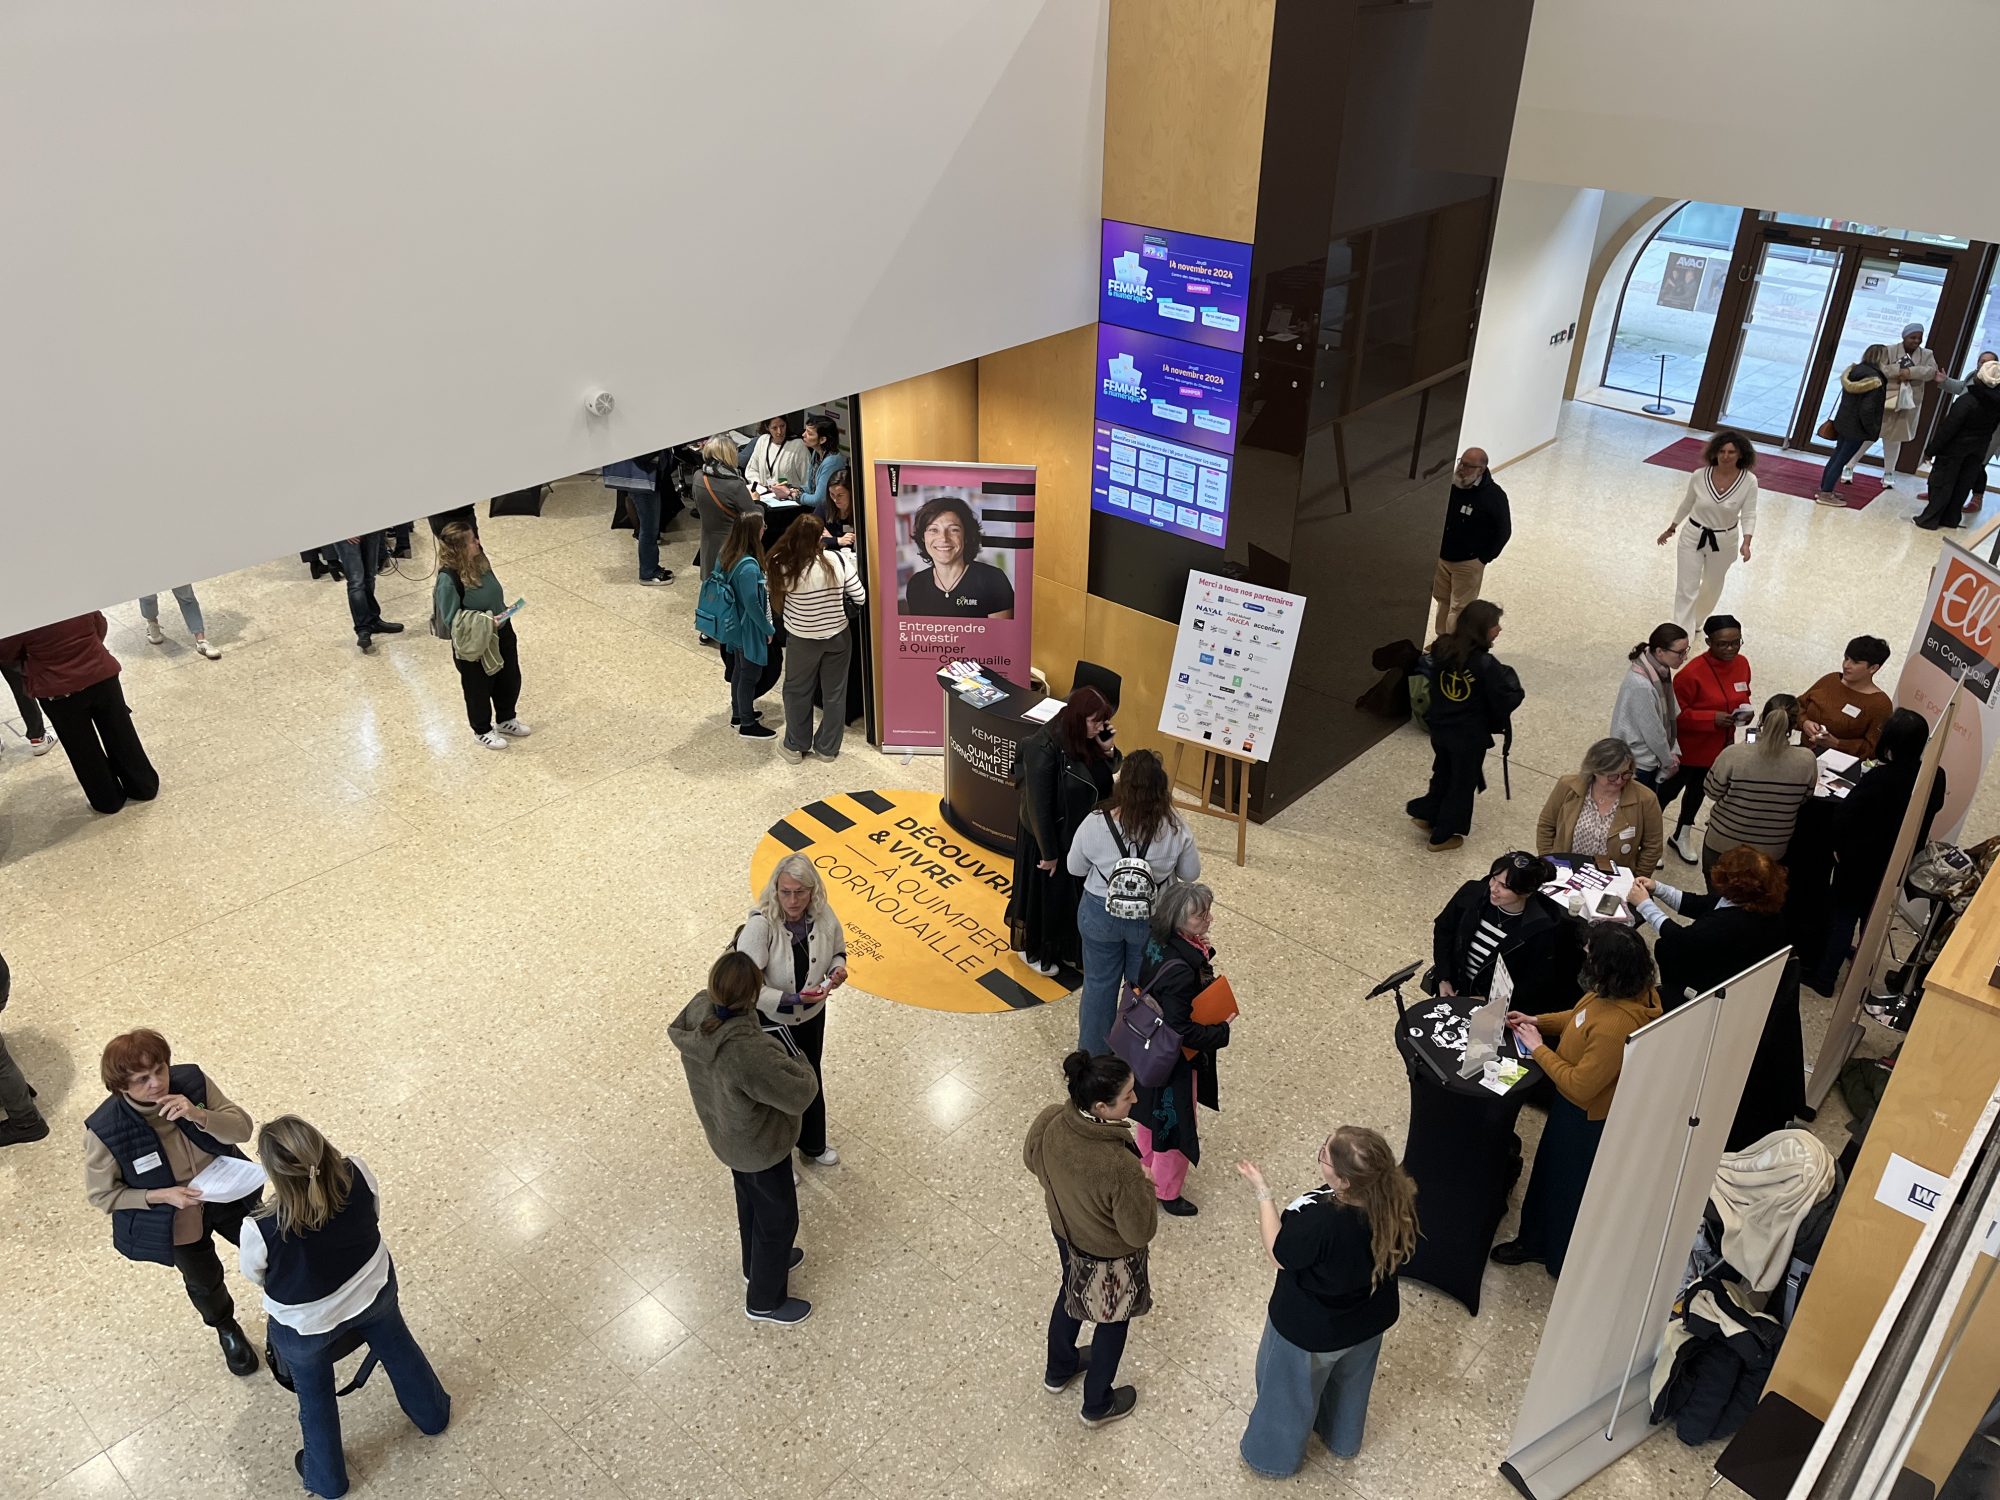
x,y
1957,640
961,541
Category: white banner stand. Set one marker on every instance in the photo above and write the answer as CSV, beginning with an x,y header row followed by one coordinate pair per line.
x,y
1588,1403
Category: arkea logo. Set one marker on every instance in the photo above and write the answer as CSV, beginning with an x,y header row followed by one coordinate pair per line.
x,y
1122,382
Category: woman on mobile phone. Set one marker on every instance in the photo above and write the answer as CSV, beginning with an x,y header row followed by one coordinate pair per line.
x,y
800,945
490,676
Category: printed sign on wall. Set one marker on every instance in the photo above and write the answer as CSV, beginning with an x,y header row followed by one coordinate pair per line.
x,y
1958,638
961,541
1232,660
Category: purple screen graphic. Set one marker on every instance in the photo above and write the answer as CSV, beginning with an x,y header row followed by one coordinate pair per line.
x,y
1183,392
1156,482
1180,286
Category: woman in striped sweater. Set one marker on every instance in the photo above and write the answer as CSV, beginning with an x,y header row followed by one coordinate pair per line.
x,y
1755,789
811,585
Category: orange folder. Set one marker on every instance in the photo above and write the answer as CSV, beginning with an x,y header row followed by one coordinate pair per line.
x,y
1214,1006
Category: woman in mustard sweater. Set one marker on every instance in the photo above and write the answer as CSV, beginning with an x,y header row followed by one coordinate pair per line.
x,y
1583,1065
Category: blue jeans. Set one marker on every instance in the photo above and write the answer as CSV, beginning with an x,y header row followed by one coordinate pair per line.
x,y
1112,950
646,512
418,1392
149,609
359,561
1843,450
1300,1392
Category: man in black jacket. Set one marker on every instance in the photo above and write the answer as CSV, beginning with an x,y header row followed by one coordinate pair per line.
x,y
1477,525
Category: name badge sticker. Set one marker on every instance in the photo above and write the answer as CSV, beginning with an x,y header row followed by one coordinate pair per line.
x,y
150,1162
1851,710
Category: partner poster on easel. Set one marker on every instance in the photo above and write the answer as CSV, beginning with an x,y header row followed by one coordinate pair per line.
x,y
1232,659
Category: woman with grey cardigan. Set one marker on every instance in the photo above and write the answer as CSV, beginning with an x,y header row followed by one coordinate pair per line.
x,y
720,496
1645,714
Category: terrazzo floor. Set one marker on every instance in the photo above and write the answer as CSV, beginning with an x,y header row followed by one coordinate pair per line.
x,y
460,964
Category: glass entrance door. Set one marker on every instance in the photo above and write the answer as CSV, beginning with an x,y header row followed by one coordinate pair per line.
x,y
1783,322
1887,296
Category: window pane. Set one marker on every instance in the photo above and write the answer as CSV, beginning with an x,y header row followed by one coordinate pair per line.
x,y
1670,301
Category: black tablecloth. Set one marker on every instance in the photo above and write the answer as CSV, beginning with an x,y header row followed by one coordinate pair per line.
x,y
1462,1153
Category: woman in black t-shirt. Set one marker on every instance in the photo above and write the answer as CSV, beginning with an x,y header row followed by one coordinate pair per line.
x,y
955,584
1337,1249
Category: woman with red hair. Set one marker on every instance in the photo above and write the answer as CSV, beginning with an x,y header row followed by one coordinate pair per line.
x,y
1736,926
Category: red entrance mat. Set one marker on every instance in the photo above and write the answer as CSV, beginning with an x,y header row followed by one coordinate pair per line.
x,y
1787,476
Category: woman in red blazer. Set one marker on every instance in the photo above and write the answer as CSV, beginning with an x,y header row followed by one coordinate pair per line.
x,y
1709,690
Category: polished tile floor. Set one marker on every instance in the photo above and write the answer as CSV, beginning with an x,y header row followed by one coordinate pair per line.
x,y
460,964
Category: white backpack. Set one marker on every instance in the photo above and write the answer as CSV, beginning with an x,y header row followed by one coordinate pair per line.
x,y
1129,887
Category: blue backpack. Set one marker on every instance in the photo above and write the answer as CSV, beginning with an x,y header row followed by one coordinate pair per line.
x,y
717,612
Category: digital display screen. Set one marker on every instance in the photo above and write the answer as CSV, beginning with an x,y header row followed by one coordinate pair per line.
x,y
1159,483
1184,392
1180,286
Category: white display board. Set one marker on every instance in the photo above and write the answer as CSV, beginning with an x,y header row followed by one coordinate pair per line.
x,y
1232,659
1587,1402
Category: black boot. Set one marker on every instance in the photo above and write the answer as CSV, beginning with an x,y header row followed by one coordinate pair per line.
x,y
17,1130
236,1349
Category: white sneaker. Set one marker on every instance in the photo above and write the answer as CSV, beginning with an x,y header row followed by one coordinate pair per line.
x,y
1685,846
1047,971
514,729
154,634
45,744
201,644
827,1158
492,740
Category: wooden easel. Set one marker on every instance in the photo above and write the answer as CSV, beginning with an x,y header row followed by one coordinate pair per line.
x,y
1235,788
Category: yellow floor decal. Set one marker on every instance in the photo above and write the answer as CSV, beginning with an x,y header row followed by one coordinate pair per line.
x,y
924,906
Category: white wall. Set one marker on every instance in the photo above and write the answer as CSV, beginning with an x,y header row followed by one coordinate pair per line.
x,y
1736,103
1543,241
280,272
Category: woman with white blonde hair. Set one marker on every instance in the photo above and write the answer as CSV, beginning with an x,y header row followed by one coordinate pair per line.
x,y
720,496
801,948
329,1287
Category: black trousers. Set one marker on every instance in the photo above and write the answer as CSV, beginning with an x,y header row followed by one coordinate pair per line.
x,y
1107,1347
767,1223
24,703
96,731
1690,784
1562,1171
811,1039
1457,776
492,698
201,1267
1953,477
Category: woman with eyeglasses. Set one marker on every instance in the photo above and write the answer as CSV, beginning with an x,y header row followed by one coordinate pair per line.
x,y
1337,1248
1712,693
1506,916
1583,1063
1603,811
1756,789
1646,716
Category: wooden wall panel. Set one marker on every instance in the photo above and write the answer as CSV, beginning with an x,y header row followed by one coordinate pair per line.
x,y
1944,1075
1059,633
1139,647
1034,408
934,416
1184,91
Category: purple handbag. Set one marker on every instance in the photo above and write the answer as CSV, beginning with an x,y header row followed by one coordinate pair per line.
x,y
1142,1039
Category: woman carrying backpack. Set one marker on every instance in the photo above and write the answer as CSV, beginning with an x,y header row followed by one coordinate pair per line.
x,y
1473,697
1125,852
735,611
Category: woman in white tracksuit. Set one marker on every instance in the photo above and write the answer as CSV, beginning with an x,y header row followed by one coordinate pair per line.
x,y
1715,519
